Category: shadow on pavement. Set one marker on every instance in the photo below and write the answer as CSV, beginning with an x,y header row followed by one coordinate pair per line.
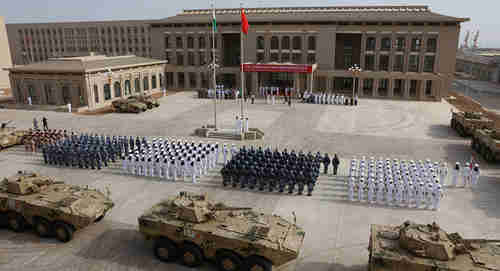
x,y
487,196
441,131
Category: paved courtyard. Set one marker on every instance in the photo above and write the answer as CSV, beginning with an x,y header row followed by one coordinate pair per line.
x,y
337,231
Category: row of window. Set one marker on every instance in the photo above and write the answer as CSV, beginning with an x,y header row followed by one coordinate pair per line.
x,y
81,31
386,44
398,63
127,87
296,43
398,87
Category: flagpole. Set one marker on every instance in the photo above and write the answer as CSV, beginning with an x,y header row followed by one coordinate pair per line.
x,y
213,66
242,72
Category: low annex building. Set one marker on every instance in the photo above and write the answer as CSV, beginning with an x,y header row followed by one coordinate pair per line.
x,y
88,82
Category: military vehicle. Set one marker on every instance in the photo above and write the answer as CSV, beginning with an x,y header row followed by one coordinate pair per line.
x,y
466,122
148,100
427,247
193,228
487,143
9,136
129,105
51,207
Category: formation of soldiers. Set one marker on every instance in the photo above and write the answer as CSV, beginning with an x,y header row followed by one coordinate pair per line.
x,y
397,183
36,139
468,174
273,171
173,159
85,151
329,98
271,93
222,93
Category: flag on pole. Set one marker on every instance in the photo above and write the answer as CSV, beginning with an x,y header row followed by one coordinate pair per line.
x,y
214,21
244,22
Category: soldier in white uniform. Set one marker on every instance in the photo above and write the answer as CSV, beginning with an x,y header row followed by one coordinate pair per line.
x,y
216,153
429,195
225,152
390,191
237,125
411,194
173,169
466,174
351,189
192,167
443,173
380,192
475,175
437,195
361,191
125,165
274,95
233,151
419,189
371,190
398,191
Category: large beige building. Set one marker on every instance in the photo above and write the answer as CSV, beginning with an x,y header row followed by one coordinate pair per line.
x,y
5,57
406,52
86,82
40,41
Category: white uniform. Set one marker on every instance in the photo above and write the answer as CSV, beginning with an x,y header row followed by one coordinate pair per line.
x,y
438,194
380,193
125,165
466,174
390,190
411,195
361,190
351,189
475,175
399,194
193,171
371,191
454,174
443,173
216,153
159,167
430,195
225,152
419,195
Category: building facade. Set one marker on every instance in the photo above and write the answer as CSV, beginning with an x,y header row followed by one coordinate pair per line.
x,y
40,41
88,82
5,57
406,52
479,64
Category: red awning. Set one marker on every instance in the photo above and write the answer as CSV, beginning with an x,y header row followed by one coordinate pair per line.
x,y
296,68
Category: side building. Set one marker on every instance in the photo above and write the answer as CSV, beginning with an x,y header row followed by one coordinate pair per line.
x,y
5,60
35,42
89,82
480,64
405,52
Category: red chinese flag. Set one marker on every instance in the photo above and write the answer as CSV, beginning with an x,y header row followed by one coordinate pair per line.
x,y
244,22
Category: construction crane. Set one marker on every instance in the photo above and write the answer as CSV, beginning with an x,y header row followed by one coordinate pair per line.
x,y
466,40
476,37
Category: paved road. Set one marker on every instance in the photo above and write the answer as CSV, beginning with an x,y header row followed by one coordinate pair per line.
x,y
336,230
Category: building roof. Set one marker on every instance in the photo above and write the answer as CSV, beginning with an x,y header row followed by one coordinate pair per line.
x,y
86,64
315,14
481,56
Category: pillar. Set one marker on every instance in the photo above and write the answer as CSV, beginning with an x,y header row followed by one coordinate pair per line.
x,y
363,50
406,89
255,83
377,51
375,87
390,86
421,90
406,52
59,92
176,79
41,86
198,80
392,52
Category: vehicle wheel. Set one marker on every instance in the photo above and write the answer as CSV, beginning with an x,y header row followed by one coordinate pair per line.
x,y
229,261
4,222
165,250
63,231
43,227
16,222
191,255
254,263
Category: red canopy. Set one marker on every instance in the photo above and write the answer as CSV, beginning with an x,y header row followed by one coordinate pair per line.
x,y
296,68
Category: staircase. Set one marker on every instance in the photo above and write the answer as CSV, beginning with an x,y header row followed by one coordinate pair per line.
x,y
221,134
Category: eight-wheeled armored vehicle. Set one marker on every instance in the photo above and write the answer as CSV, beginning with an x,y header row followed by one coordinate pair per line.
x,y
487,143
466,122
128,105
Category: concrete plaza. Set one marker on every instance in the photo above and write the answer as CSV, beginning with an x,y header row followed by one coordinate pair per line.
x,y
337,231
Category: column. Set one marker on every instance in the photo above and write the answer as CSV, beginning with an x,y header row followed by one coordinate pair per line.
x,y
406,52
255,83
406,89
59,92
361,82
375,87
43,96
390,87
421,89
363,50
333,47
329,83
267,46
377,51
422,53
176,79
198,80
392,52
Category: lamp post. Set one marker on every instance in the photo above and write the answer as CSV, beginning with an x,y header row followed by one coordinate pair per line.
x,y
213,67
355,69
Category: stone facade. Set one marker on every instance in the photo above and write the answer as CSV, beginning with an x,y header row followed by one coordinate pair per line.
x,y
5,61
479,64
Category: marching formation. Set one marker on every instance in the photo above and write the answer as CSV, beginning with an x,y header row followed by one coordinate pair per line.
x,y
397,183
329,98
267,170
36,139
85,151
173,159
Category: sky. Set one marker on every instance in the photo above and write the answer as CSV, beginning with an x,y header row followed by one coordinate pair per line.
x,y
483,13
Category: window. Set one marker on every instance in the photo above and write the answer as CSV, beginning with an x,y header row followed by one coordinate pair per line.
x,y
383,87
311,58
285,43
178,42
274,43
260,43
190,42
107,92
137,85
145,82
168,57
347,61
398,63
384,63
260,57
416,44
367,87
190,58
428,88
153,82
413,88
192,80
201,57
398,87
127,87
167,42
431,45
180,59
297,58
201,42
400,44
285,57
297,43
370,44
118,89
180,79
413,63
370,62
386,44
311,43
429,64
274,57
96,94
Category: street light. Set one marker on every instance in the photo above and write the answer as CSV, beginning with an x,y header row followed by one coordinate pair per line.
x,y
355,69
213,67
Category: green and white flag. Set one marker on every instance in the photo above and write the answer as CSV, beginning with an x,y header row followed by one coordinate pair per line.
x,y
214,22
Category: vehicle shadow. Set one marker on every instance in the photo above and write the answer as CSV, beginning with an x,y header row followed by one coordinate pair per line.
x,y
441,131
486,196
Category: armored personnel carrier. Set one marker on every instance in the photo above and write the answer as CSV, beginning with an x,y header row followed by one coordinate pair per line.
x,y
129,105
487,143
193,228
51,207
9,136
466,122
148,100
427,247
